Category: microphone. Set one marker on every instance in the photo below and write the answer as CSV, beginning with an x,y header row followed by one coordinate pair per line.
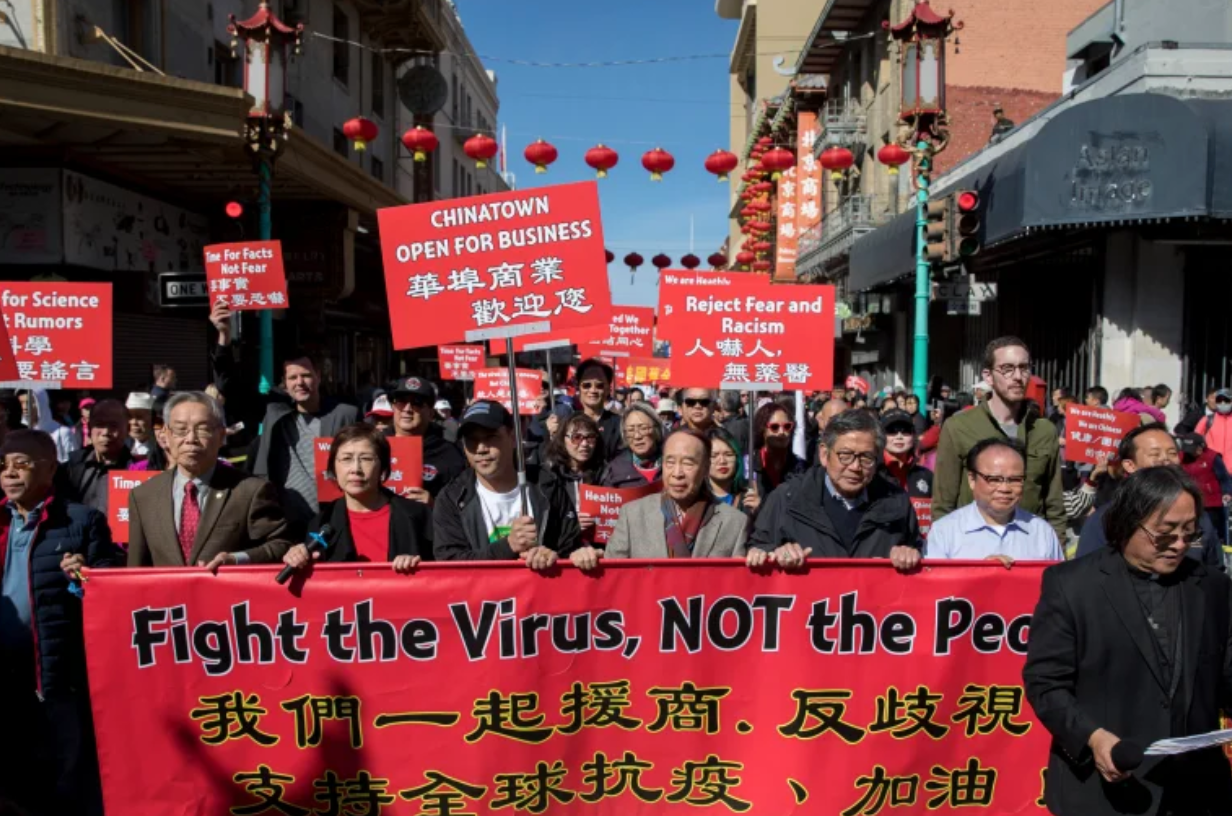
x,y
1127,755
316,543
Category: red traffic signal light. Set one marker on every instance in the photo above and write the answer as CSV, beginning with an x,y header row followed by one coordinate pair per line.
x,y
234,209
966,226
968,200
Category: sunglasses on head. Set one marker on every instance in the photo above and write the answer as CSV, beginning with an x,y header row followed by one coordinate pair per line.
x,y
703,402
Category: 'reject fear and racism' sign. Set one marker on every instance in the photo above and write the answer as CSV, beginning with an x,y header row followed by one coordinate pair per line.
x,y
648,687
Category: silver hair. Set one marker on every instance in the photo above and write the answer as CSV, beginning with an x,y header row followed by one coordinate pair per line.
x,y
647,410
856,420
730,401
199,397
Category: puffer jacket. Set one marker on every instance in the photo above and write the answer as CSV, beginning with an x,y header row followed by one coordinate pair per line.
x,y
64,528
1129,405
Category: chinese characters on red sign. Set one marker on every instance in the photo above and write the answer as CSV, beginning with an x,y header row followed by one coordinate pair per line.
x,y
810,204
923,513
490,266
643,371
1090,431
785,245
738,331
460,362
493,384
604,504
405,467
630,332
247,276
119,484
59,333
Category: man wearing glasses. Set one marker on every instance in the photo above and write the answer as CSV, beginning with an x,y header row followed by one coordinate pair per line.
x,y
993,527
697,408
839,508
594,379
413,401
1007,370
203,512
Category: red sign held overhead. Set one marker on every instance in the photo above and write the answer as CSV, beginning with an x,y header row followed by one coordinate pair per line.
x,y
460,362
736,331
59,333
119,484
489,266
493,384
643,371
629,332
247,276
1091,431
604,504
405,467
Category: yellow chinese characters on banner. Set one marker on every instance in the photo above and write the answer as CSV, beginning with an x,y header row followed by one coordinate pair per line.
x,y
810,205
785,212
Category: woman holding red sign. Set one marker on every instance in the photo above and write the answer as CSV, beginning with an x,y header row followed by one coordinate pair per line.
x,y
573,457
370,523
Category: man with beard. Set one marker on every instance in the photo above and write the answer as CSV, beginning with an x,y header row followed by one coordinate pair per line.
x,y
413,401
1007,370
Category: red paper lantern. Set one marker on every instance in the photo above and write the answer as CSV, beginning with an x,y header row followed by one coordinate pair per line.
x,y
602,158
661,261
761,246
540,154
760,206
658,162
482,148
690,261
745,258
360,131
765,141
778,160
760,226
722,162
633,261
717,260
761,266
837,160
762,187
607,253
420,141
892,155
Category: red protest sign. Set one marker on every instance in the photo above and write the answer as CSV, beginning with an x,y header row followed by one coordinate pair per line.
x,y
923,513
179,664
8,359
746,334
247,276
119,484
488,266
460,362
1090,431
604,504
405,467
493,384
59,333
854,383
643,371
629,331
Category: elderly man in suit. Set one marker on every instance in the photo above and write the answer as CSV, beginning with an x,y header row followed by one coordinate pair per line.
x,y
684,521
203,511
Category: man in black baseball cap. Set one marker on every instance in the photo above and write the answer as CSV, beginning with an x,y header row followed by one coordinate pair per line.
x,y
412,399
481,515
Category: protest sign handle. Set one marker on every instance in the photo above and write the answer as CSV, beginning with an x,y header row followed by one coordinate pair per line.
x,y
517,425
752,440
551,382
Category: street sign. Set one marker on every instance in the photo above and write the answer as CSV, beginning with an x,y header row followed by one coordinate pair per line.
x,y
962,307
964,288
179,289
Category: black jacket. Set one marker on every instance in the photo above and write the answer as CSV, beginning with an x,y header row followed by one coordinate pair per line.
x,y
410,529
83,479
460,531
619,472
609,428
794,512
1193,419
794,468
442,461
65,528
1091,664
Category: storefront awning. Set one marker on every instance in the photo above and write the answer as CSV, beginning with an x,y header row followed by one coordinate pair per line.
x,y
1121,159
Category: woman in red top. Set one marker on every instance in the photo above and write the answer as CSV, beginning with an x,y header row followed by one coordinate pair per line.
x,y
370,523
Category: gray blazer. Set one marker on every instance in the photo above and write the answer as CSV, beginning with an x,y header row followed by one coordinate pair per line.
x,y
639,532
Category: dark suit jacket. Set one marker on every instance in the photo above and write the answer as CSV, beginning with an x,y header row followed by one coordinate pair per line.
x,y
241,515
410,529
1091,664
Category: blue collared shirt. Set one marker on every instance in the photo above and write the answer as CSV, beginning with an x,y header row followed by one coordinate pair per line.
x,y
17,611
850,504
966,534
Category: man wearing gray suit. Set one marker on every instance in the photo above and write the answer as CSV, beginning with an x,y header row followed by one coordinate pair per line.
x,y
203,512
684,521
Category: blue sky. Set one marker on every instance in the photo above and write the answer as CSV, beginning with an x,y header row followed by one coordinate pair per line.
x,y
682,106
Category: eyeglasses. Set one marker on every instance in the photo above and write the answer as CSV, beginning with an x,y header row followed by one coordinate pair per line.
x,y
848,458
1001,481
635,431
348,461
583,438
727,456
19,465
202,432
593,385
1163,541
1008,370
414,402
703,402
781,427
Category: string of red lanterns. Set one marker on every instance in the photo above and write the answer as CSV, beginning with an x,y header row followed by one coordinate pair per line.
x,y
482,148
541,154
602,158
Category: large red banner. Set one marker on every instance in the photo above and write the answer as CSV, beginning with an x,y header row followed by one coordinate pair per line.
x,y
460,362
59,333
487,266
405,466
649,687
247,276
739,331
1092,431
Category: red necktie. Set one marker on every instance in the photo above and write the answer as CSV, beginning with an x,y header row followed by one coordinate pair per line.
x,y
190,516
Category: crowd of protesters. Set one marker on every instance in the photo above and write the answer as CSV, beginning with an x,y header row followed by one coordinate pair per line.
x,y
752,476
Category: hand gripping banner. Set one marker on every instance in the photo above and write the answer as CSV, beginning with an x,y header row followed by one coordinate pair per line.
x,y
650,687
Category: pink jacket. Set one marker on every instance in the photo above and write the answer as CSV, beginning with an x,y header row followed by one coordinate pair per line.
x,y
1133,406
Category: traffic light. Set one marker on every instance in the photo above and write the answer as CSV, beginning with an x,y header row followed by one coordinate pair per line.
x,y
937,230
965,225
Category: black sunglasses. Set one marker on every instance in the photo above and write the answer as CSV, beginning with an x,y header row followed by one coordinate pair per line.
x,y
404,399
693,403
